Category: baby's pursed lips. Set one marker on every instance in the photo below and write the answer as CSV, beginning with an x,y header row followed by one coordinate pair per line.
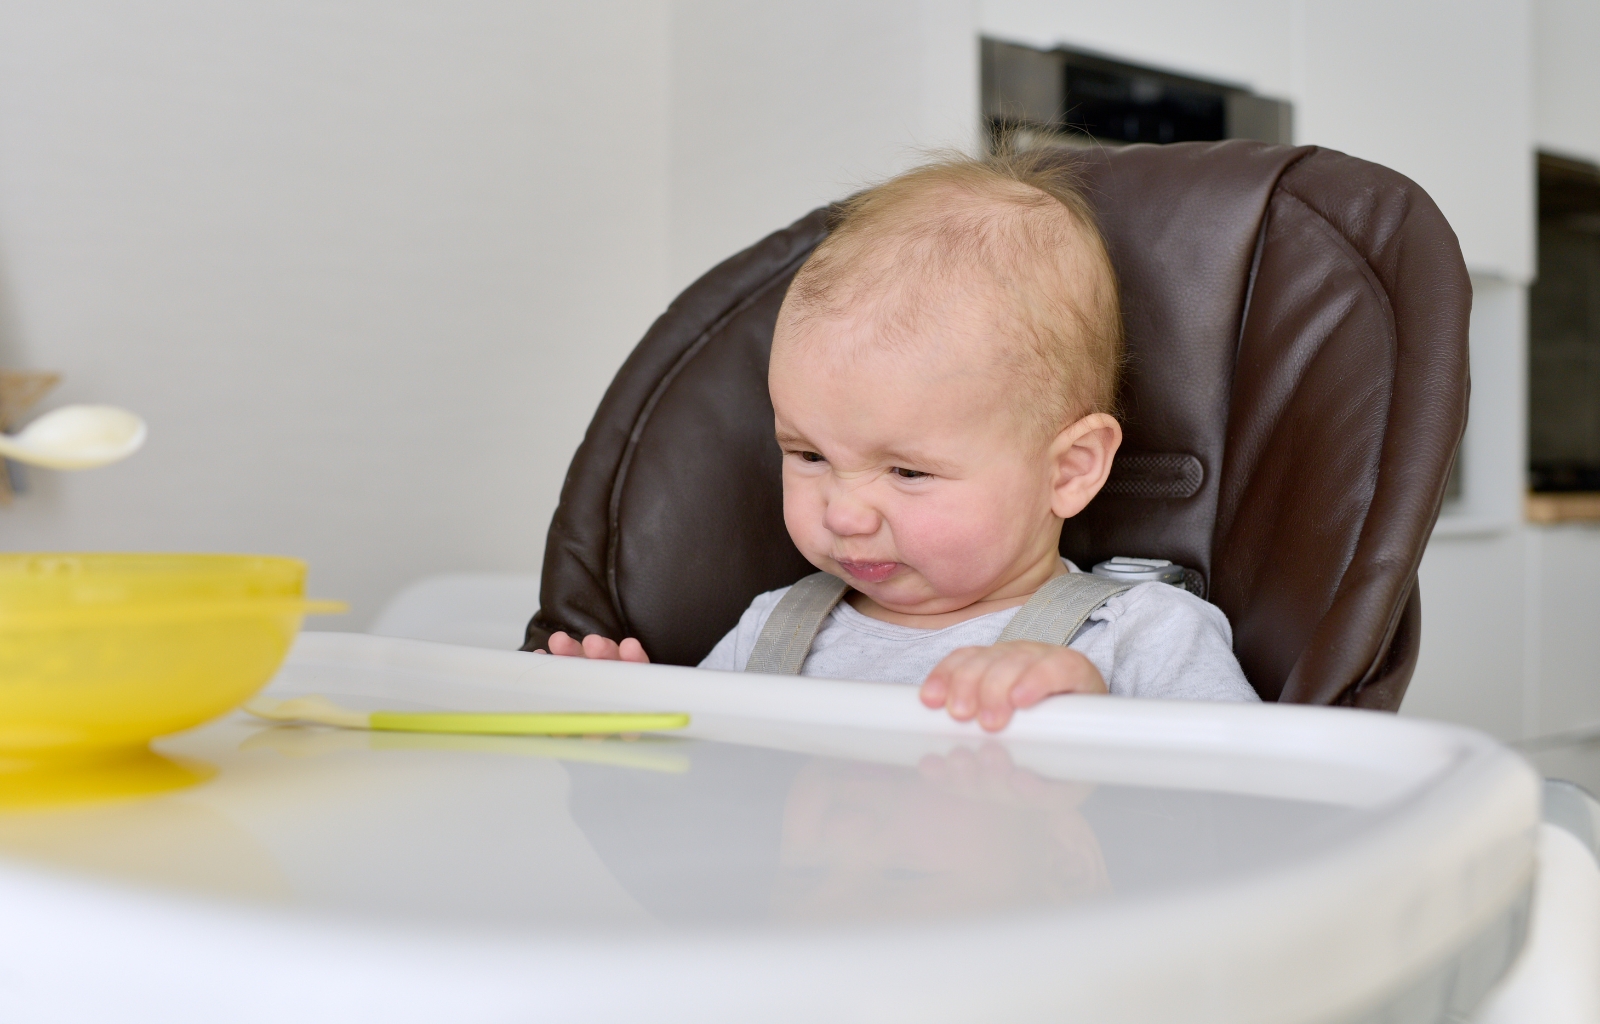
x,y
869,572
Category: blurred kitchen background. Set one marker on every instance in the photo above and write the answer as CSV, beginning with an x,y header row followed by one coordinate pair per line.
x,y
367,267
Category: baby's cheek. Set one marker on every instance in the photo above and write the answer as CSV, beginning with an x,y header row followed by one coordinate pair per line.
x,y
803,512
957,546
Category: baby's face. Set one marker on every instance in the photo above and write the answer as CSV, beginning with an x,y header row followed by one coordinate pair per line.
x,y
910,474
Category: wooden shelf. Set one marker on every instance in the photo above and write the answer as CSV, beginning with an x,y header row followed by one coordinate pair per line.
x,y
1574,507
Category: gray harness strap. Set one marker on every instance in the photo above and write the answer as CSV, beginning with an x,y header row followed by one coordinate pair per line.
x,y
1053,615
786,638
1057,610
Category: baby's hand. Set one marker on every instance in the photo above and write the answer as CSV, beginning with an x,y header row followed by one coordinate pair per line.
x,y
989,683
596,646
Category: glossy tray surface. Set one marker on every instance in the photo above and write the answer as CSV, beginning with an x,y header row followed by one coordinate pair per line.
x,y
804,850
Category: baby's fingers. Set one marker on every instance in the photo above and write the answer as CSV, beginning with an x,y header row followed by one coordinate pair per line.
x,y
633,650
600,648
936,689
994,690
1063,671
564,645
953,683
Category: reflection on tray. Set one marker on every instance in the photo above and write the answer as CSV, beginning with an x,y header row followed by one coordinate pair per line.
x,y
130,774
182,845
964,833
646,753
811,840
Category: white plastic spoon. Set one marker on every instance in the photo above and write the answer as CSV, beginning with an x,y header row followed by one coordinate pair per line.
x,y
76,437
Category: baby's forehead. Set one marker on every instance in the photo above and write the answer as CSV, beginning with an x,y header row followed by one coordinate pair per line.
x,y
925,403
841,363
929,317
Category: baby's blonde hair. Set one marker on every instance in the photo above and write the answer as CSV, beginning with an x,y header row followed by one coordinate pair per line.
x,y
1021,220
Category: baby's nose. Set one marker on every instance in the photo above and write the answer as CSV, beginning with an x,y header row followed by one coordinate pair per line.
x,y
848,516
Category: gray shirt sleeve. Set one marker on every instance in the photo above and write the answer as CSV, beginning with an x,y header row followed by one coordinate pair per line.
x,y
1159,641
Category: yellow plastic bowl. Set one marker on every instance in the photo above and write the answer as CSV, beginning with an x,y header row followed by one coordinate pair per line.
x,y
100,653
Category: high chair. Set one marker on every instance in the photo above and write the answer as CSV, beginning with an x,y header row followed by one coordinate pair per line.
x,y
1296,389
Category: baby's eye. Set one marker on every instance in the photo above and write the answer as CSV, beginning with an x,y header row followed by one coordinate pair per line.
x,y
908,474
811,457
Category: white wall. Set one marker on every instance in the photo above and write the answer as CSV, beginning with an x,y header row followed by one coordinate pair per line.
x,y
367,267
778,108
1566,77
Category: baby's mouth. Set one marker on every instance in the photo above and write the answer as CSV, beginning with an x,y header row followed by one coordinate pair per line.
x,y
869,572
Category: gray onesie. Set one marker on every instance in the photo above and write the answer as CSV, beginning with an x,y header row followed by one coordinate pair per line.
x,y
1152,641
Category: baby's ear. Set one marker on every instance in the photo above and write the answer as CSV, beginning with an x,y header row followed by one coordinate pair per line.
x,y
1080,458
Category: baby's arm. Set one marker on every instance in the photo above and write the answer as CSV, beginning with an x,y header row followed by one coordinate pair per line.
x,y
597,647
989,683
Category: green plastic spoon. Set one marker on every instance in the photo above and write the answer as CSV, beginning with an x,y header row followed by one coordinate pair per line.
x,y
322,711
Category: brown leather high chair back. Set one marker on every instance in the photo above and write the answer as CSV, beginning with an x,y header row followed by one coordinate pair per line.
x,y
1296,389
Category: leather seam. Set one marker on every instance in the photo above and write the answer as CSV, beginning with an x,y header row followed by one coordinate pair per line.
x,y
643,418
1233,365
1375,285
1260,247
1238,346
1352,693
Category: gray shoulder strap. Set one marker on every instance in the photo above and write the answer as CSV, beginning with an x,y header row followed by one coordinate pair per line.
x,y
1056,611
786,638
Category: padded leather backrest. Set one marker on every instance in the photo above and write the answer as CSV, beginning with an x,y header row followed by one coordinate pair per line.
x,y
1296,389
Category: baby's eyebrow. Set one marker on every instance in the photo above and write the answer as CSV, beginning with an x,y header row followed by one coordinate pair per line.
x,y
791,440
904,458
915,460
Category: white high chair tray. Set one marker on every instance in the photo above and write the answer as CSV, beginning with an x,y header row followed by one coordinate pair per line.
x,y
807,850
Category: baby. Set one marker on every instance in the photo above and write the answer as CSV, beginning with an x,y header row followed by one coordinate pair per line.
x,y
943,372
